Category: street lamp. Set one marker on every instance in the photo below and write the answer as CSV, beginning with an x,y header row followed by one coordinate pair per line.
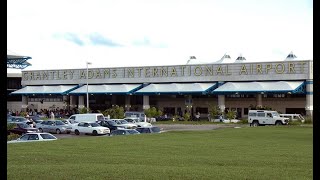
x,y
88,63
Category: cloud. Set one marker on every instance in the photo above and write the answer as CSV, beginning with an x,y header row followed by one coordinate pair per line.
x,y
98,39
72,37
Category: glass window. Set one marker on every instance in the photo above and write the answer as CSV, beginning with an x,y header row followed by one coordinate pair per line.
x,y
33,137
24,137
261,115
47,136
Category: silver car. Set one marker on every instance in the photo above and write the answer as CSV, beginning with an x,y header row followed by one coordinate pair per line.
x,y
54,126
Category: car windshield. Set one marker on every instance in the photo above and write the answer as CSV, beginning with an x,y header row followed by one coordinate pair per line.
x,y
47,136
23,126
94,124
124,122
112,123
59,123
155,129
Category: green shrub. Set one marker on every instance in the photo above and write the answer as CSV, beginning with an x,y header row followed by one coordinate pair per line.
x,y
308,120
116,112
12,137
294,122
187,116
243,121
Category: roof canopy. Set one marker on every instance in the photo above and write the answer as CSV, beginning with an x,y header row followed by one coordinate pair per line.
x,y
17,62
43,90
177,88
107,89
261,87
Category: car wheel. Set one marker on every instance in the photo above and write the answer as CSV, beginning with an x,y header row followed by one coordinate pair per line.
x,y
255,124
77,132
95,133
278,123
41,130
58,131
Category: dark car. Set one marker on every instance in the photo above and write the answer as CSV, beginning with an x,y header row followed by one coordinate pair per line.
x,y
124,132
21,128
110,124
18,119
153,129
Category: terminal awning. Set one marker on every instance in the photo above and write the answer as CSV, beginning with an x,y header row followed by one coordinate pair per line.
x,y
293,87
107,89
43,90
177,88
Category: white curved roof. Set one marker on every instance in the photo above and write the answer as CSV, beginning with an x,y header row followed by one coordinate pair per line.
x,y
176,88
106,89
60,89
259,86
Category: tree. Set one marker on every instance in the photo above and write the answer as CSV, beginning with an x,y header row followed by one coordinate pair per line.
x,y
116,112
83,110
152,112
231,114
215,111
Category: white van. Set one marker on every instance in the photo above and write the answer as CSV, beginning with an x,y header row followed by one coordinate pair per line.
x,y
293,117
90,117
135,114
264,117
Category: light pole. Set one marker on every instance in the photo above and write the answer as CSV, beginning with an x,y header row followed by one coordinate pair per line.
x,y
88,63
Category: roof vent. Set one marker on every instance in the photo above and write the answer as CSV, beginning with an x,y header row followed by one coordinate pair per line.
x,y
291,56
240,58
225,59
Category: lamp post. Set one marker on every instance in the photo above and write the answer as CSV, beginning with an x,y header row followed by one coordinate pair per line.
x,y
88,63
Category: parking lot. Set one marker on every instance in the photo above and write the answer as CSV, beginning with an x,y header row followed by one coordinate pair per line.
x,y
169,127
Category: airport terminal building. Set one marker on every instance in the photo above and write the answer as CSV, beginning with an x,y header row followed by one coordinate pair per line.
x,y
286,86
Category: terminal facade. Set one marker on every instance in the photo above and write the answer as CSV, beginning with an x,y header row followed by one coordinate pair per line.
x,y
286,86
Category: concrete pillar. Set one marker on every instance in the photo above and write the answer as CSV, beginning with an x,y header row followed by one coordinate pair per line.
x,y
309,98
222,102
73,101
81,102
127,103
65,102
259,100
146,104
24,103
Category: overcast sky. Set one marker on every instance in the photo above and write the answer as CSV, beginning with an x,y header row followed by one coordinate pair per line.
x,y
64,34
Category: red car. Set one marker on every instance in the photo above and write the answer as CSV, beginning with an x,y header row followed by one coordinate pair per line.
x,y
21,128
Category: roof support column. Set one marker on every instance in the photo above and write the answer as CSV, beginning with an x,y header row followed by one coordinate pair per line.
x,y
24,103
73,101
127,103
81,101
146,104
222,102
259,100
309,99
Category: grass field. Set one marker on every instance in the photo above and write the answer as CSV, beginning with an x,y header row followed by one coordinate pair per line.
x,y
245,153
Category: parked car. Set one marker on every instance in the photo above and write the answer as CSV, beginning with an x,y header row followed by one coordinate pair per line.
x,y
137,121
153,129
90,128
18,119
69,122
111,125
125,123
136,114
220,118
54,126
21,128
124,132
34,137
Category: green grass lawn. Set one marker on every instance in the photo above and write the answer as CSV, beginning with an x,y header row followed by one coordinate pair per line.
x,y
245,153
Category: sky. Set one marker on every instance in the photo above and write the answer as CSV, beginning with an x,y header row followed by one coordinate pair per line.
x,y
65,34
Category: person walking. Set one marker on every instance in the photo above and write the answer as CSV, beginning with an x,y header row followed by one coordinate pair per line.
x,y
52,115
